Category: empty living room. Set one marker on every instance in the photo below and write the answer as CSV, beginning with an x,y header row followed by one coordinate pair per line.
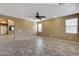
x,y
39,29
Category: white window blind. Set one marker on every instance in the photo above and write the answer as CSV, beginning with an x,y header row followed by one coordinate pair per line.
x,y
39,27
71,25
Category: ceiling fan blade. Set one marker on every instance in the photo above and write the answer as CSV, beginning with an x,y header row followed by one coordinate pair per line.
x,y
42,16
37,16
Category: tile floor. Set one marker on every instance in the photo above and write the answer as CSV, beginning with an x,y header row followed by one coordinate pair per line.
x,y
37,46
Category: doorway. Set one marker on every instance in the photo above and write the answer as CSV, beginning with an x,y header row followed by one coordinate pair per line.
x,y
7,30
3,29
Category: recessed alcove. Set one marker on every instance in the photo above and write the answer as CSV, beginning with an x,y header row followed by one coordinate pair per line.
x,y
6,26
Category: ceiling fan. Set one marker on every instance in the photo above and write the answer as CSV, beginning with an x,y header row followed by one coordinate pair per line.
x,y
39,17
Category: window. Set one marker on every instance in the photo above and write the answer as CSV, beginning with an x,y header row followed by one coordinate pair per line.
x,y
71,25
39,27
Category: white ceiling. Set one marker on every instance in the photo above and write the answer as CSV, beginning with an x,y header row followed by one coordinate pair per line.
x,y
26,10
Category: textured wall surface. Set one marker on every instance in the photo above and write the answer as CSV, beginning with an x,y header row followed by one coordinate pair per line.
x,y
23,27
56,28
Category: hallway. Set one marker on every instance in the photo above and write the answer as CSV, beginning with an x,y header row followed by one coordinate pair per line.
x,y
38,46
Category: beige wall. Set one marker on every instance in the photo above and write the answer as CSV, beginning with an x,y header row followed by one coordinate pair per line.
x,y
23,28
55,28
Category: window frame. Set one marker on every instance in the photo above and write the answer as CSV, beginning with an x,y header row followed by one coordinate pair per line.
x,y
39,29
71,26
